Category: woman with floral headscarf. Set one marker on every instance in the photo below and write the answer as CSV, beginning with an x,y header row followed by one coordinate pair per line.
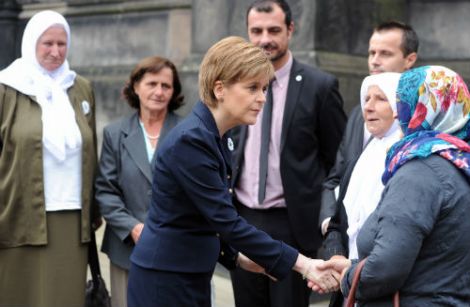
x,y
47,163
416,241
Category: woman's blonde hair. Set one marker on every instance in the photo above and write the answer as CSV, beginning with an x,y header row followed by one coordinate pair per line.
x,y
231,60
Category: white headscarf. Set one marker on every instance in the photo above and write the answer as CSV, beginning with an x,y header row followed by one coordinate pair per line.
x,y
365,186
26,75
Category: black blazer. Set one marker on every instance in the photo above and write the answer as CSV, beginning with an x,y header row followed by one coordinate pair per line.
x,y
312,128
191,208
336,238
349,150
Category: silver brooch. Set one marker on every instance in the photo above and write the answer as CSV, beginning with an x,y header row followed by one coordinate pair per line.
x,y
230,144
85,107
298,78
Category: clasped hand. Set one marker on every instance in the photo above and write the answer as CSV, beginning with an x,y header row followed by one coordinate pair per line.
x,y
336,267
319,276
322,276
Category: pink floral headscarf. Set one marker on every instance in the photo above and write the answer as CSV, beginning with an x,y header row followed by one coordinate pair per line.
x,y
433,104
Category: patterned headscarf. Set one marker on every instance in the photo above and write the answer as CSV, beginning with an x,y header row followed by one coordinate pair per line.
x,y
433,105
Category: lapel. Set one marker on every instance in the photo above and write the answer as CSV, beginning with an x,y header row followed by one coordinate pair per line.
x,y
134,143
226,153
171,120
296,80
76,102
202,111
82,106
239,135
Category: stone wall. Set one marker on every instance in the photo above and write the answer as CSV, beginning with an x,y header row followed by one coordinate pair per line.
x,y
110,36
9,11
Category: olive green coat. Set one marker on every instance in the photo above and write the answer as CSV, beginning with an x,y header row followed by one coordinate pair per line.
x,y
22,201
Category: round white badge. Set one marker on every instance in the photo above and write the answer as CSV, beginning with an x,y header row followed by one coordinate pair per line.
x,y
85,107
230,144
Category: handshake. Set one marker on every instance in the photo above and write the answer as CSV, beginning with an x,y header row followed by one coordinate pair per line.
x,y
321,276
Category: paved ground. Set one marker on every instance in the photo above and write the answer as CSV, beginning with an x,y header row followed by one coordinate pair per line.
x,y
224,294
222,284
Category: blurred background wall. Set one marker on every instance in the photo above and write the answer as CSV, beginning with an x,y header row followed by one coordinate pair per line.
x,y
110,36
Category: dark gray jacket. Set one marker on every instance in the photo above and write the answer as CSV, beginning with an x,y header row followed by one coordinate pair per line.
x,y
123,185
417,240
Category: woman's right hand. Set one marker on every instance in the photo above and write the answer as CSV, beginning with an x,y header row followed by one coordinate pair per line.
x,y
339,264
323,279
136,232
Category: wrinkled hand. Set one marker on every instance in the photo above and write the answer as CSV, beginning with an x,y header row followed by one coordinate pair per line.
x,y
136,232
249,265
320,278
338,264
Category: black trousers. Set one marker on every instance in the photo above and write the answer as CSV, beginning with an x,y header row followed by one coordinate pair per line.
x,y
257,290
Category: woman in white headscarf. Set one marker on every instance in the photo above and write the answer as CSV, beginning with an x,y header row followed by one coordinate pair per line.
x,y
47,164
378,102
362,187
416,240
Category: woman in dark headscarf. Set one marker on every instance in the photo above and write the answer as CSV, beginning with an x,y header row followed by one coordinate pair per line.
x,y
416,241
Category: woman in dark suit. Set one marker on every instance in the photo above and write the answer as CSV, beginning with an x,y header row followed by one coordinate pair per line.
x,y
123,186
47,167
192,222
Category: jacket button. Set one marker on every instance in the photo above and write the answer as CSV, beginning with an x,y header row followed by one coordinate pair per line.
x,y
228,177
230,191
222,253
217,235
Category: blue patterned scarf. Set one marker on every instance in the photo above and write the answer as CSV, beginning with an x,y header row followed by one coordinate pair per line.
x,y
433,105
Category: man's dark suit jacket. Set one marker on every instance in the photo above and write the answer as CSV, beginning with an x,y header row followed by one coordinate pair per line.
x,y
351,147
192,208
312,128
349,150
336,241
